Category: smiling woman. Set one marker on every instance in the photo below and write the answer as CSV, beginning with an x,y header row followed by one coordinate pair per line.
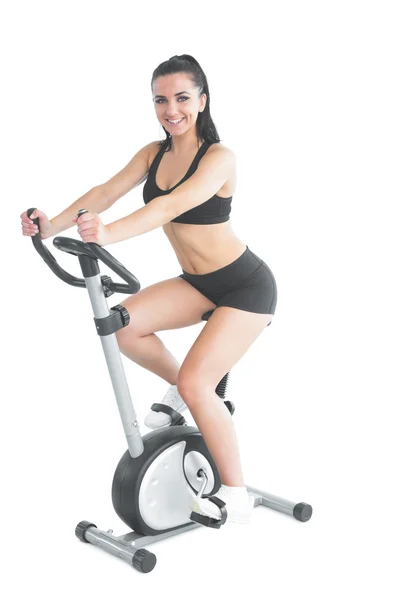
x,y
190,181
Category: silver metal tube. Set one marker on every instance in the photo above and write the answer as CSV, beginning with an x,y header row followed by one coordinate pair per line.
x,y
110,544
116,369
271,501
138,541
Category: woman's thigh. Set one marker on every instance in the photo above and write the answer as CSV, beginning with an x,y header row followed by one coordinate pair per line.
x,y
169,304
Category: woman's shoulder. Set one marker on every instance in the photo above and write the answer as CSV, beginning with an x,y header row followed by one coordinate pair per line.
x,y
155,146
218,147
228,155
153,149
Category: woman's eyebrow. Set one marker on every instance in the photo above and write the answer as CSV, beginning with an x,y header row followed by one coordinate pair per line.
x,y
159,96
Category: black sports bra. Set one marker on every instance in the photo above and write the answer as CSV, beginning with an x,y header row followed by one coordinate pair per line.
x,y
214,210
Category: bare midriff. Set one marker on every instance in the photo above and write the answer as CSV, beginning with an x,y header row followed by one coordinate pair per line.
x,y
202,249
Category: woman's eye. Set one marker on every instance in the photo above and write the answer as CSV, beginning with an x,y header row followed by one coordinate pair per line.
x,y
162,99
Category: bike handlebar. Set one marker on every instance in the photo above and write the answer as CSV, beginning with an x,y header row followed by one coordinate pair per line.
x,y
89,249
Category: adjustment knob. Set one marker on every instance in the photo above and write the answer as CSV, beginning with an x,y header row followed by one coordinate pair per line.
x,y
125,318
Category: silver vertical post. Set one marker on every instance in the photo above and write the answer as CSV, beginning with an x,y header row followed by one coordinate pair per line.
x,y
116,369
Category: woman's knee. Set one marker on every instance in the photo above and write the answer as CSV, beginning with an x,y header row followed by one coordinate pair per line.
x,y
192,386
138,321
128,335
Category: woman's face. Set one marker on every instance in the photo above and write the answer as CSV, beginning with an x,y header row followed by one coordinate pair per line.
x,y
176,99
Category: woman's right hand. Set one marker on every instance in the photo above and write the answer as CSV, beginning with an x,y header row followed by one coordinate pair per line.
x,y
29,227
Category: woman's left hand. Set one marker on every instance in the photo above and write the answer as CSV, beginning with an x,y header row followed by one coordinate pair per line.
x,y
91,229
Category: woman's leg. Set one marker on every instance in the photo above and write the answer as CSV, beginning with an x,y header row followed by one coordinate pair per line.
x,y
169,304
212,355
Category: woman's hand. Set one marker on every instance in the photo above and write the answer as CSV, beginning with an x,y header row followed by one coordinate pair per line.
x,y
91,229
29,227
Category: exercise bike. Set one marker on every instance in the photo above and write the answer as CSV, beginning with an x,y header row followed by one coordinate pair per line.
x,y
161,473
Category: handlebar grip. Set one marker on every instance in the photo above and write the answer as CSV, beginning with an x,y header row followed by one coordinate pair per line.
x,y
49,258
36,239
29,212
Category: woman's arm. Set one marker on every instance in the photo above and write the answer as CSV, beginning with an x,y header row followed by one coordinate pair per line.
x,y
94,200
101,197
158,212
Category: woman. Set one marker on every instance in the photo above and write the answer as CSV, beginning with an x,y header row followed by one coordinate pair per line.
x,y
190,183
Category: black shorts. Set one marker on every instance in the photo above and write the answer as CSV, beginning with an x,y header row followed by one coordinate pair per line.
x,y
247,284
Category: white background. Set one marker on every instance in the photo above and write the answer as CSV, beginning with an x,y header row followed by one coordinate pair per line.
x,y
307,96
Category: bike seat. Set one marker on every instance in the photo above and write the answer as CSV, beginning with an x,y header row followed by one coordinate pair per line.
x,y
207,315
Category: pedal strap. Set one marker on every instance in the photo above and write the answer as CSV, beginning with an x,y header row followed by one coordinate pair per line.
x,y
209,521
176,418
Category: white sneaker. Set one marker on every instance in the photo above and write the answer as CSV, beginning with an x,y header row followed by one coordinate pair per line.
x,y
239,505
158,419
